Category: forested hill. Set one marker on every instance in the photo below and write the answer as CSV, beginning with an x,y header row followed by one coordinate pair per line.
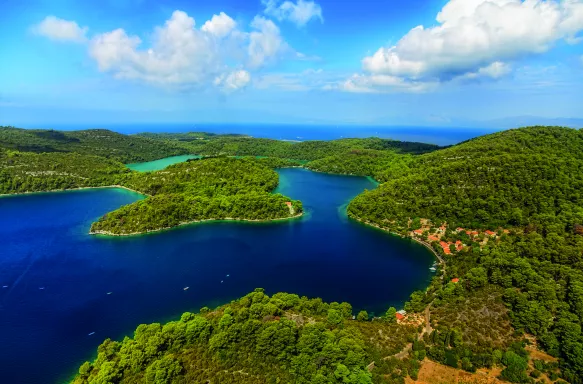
x,y
98,142
528,181
233,145
511,178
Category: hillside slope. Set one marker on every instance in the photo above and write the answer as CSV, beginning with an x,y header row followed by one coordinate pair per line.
x,y
526,180
98,142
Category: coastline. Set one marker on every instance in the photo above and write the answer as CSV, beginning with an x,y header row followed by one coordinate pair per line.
x,y
108,234
440,260
73,189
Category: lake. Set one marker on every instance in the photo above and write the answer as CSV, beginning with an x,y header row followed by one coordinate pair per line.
x,y
157,165
63,284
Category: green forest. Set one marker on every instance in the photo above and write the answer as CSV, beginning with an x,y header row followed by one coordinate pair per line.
x,y
208,189
257,339
526,180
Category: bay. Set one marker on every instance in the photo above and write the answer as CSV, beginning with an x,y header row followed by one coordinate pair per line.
x,y
67,291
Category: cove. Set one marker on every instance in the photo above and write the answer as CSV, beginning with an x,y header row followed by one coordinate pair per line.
x,y
157,165
59,277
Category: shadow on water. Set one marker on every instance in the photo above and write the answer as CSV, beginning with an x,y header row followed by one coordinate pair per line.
x,y
95,288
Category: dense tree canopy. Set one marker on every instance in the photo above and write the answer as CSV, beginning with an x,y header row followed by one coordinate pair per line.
x,y
528,180
208,189
256,339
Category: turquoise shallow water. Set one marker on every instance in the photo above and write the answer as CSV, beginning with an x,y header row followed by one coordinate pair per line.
x,y
160,164
58,277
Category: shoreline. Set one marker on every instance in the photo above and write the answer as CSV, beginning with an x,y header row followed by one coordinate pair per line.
x,y
72,189
183,224
440,260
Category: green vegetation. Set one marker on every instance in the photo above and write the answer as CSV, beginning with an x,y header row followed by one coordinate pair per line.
x,y
30,172
256,339
231,145
98,142
528,180
209,189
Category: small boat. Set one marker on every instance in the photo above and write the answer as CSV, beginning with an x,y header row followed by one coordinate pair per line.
x,y
433,269
109,293
92,333
4,286
221,281
186,288
228,275
41,288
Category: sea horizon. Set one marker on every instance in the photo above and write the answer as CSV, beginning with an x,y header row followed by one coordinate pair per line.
x,y
442,136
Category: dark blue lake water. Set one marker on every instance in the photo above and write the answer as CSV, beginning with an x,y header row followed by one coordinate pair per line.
x,y
58,277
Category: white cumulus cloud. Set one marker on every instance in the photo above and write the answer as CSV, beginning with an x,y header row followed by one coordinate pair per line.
x,y
59,29
219,25
474,34
179,54
299,13
218,53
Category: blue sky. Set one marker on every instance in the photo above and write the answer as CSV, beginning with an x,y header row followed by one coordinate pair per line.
x,y
414,62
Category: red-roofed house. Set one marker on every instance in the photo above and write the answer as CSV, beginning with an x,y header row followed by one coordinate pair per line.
x,y
418,231
442,228
399,316
490,233
458,245
459,229
455,280
445,247
288,203
471,233
432,238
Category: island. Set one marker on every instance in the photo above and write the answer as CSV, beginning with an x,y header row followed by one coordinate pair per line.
x,y
503,213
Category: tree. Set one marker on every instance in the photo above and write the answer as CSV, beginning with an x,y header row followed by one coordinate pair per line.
x,y
362,316
391,315
334,318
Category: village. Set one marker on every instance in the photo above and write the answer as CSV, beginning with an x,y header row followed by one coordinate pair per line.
x,y
453,241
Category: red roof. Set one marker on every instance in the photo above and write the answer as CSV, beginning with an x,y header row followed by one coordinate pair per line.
x,y
455,280
458,245
432,238
288,203
399,316
445,247
418,231
490,233
468,232
459,229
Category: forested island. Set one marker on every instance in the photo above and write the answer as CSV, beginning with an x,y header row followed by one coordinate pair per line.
x,y
504,212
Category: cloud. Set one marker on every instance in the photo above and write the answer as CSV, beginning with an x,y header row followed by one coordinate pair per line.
x,y
265,43
380,83
60,30
233,81
299,13
181,55
220,25
478,37
495,70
